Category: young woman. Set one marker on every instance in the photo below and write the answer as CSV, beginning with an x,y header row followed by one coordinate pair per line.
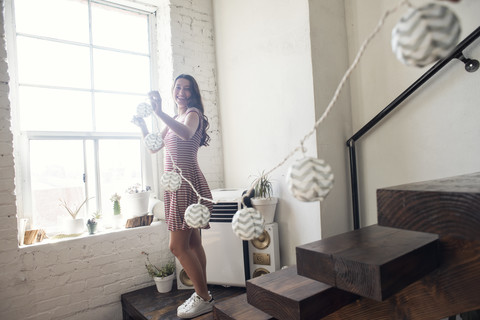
x,y
182,137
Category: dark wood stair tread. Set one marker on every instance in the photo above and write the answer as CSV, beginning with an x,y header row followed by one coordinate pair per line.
x,y
374,262
286,295
238,308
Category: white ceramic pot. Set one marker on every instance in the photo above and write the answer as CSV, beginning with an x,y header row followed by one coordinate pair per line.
x,y
266,207
135,204
164,284
74,226
117,221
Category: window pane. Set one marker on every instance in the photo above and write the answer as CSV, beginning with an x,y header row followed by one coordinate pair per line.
x,y
56,173
114,112
54,110
120,168
61,19
124,30
52,63
121,72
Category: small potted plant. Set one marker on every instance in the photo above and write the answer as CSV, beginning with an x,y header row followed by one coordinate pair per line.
x,y
117,215
136,201
263,200
77,225
97,215
92,226
163,275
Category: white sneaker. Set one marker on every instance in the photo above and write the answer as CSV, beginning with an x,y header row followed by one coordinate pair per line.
x,y
183,305
186,303
196,306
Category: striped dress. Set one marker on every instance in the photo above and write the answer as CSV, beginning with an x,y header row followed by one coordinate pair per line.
x,y
184,153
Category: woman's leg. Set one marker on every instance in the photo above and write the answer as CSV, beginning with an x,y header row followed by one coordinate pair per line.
x,y
197,248
182,244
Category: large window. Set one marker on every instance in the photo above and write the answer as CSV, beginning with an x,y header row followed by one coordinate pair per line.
x,y
79,68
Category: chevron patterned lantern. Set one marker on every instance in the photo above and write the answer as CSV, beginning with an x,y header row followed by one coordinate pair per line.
x,y
426,34
153,141
171,181
197,215
144,110
310,179
248,224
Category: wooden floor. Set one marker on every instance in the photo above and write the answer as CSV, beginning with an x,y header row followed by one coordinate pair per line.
x,y
147,303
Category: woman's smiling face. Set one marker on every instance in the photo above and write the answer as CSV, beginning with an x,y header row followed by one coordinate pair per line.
x,y
182,92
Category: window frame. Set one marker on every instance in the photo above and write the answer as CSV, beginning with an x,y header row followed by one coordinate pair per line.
x,y
21,139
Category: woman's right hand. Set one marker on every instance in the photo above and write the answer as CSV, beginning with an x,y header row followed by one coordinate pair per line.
x,y
156,102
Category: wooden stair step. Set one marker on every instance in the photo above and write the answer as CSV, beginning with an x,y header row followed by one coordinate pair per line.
x,y
373,262
449,206
286,295
238,308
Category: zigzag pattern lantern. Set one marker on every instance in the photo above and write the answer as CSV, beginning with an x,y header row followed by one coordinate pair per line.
x,y
144,110
197,215
426,34
153,141
248,224
171,181
310,179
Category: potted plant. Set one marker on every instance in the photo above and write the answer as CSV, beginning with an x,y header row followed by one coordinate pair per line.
x,y
92,226
136,201
163,276
97,215
263,200
117,211
77,225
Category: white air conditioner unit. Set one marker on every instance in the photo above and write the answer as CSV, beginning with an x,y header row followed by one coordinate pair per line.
x,y
227,255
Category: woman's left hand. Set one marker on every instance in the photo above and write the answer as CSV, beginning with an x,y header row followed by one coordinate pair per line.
x,y
156,102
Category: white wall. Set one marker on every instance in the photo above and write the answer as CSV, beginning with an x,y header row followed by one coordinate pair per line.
x,y
330,61
435,132
266,101
84,278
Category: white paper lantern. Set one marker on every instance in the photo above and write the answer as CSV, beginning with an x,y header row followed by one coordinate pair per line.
x,y
153,141
197,215
248,224
425,34
144,110
310,179
171,181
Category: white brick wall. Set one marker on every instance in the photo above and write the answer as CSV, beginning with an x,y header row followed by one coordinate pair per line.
x,y
84,278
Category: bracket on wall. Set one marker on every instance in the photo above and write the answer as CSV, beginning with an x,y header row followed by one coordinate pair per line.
x,y
471,65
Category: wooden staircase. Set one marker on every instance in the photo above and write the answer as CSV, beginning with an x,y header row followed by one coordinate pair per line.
x,y
422,261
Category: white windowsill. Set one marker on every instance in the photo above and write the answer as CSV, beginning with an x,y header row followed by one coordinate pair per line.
x,y
52,239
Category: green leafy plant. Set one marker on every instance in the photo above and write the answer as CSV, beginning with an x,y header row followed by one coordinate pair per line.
x,y
161,272
263,187
73,211
97,215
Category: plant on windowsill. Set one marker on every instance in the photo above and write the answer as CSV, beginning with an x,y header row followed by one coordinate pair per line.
x,y
117,211
263,200
136,201
163,276
92,226
76,225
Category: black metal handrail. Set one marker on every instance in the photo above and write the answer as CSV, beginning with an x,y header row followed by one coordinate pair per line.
x,y
457,53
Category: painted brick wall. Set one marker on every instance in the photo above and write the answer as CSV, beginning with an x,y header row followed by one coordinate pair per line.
x,y
193,51
84,278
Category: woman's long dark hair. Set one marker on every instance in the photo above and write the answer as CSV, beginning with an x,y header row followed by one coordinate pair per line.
x,y
195,101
